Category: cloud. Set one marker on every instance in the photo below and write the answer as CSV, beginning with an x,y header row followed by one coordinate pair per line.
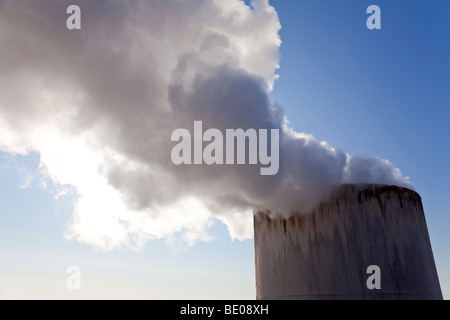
x,y
99,106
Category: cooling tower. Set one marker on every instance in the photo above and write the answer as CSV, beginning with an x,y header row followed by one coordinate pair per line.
x,y
326,254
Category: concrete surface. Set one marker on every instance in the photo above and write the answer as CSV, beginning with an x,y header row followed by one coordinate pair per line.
x,y
325,254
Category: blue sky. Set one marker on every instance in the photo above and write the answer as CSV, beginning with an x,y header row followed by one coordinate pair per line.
x,y
381,92
36,255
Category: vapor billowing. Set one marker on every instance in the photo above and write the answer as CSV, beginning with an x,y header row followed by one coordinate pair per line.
x,y
100,104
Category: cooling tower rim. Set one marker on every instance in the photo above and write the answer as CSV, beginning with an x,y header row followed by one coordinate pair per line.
x,y
347,191
365,187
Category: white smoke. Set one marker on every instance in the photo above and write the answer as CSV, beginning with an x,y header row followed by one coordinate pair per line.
x,y
99,105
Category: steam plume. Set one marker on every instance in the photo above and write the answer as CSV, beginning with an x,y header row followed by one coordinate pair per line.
x,y
99,106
